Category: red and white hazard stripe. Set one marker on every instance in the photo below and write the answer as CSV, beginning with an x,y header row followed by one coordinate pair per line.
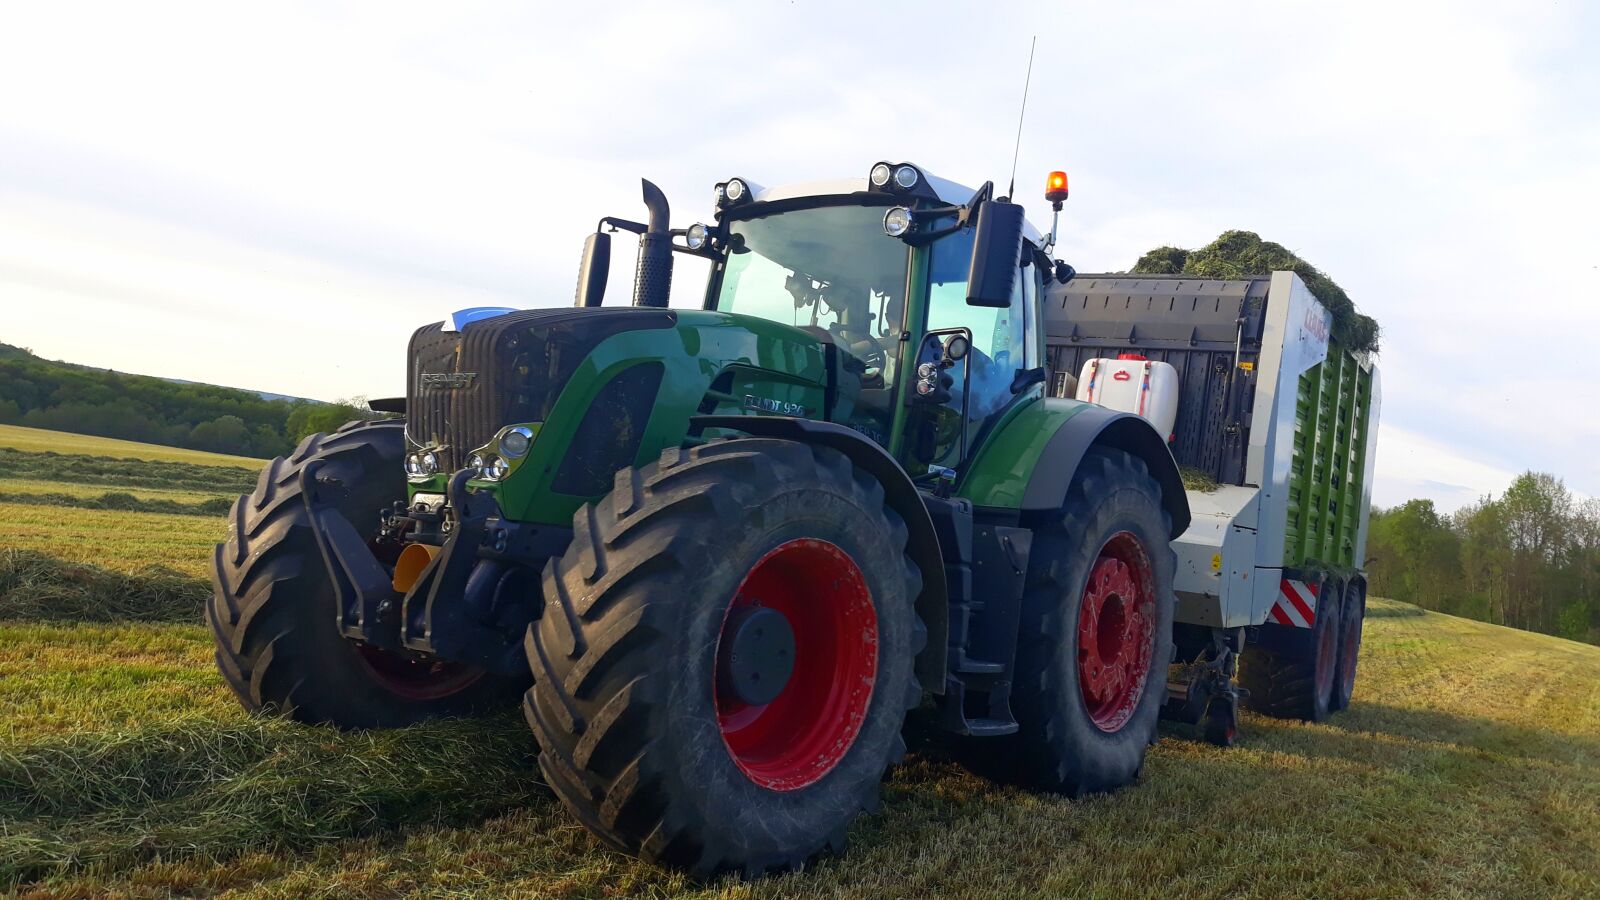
x,y
1297,604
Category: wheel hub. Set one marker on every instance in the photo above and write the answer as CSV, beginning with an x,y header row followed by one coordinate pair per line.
x,y
757,650
794,723
1116,625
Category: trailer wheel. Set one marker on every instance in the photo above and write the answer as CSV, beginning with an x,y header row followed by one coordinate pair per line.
x,y
1289,673
271,610
724,661
1222,721
1355,605
1096,635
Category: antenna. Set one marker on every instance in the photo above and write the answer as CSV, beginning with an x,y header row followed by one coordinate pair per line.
x,y
1011,190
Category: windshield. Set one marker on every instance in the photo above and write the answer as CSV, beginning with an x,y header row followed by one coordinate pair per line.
x,y
831,268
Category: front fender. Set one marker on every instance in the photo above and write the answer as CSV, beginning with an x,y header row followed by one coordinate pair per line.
x,y
1029,461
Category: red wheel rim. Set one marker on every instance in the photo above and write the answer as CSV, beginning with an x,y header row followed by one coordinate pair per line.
x,y
1351,644
1328,639
802,735
1116,629
416,679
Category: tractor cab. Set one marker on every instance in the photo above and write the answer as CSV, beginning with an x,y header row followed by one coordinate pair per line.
x,y
880,269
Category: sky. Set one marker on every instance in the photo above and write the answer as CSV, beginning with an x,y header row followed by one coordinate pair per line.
x,y
274,198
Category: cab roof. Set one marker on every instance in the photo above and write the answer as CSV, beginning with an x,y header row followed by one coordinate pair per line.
x,y
948,191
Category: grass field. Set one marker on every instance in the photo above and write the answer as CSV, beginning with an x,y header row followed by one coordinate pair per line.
x,y
1469,765
36,440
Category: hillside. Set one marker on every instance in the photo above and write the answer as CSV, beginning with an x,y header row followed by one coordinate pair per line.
x,y
62,396
1469,763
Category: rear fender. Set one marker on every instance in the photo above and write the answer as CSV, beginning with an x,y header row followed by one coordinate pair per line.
x,y
901,495
1029,462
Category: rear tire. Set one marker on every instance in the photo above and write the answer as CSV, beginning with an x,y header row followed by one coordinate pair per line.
x,y
1290,673
272,610
633,706
1074,739
1355,613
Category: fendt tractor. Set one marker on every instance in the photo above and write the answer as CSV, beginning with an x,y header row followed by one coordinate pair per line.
x,y
900,460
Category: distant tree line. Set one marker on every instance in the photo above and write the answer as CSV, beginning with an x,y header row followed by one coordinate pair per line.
x,y
59,396
1529,558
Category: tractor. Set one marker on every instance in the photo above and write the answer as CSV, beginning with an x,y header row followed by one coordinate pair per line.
x,y
721,553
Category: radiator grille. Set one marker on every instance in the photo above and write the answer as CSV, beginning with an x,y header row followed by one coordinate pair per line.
x,y
463,386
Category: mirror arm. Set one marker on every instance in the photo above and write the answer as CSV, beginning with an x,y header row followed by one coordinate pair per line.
x,y
616,224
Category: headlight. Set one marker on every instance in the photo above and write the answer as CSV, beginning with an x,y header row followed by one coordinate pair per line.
x,y
694,238
494,469
897,221
475,463
422,464
905,176
880,174
515,441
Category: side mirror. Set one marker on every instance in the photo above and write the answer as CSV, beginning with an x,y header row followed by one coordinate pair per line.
x,y
594,269
996,254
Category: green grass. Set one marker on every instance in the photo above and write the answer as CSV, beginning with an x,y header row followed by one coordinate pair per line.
x,y
1469,765
122,500
38,587
214,480
113,539
17,487
38,440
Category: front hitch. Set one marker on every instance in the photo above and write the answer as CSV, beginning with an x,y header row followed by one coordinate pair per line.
x,y
363,590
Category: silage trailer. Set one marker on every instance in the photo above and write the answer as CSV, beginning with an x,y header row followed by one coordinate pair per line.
x,y
1275,426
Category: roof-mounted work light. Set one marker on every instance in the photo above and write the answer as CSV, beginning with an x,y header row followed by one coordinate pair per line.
x,y
898,178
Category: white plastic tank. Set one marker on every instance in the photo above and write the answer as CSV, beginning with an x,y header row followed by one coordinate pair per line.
x,y
1131,383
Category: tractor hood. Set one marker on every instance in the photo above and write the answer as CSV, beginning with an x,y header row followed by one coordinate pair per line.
x,y
463,385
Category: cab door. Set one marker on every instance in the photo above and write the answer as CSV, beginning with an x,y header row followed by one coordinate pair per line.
x,y
940,432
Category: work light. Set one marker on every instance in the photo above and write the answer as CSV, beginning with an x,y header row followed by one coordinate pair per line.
x,y
694,237
897,221
880,174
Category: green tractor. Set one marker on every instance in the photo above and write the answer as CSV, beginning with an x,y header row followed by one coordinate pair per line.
x,y
721,553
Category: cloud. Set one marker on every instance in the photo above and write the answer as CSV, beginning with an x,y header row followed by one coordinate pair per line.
x,y
197,182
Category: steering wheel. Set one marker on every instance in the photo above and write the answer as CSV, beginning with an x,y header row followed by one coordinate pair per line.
x,y
865,347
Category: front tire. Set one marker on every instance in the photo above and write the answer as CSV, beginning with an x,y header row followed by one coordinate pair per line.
x,y
272,608
1096,633
696,573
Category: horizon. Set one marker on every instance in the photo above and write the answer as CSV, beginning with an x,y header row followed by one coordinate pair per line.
x,y
357,175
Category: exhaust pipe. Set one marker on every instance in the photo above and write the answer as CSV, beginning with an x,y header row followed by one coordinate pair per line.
x,y
652,281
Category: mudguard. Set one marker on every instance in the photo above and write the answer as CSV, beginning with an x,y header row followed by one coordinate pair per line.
x,y
1047,486
1028,462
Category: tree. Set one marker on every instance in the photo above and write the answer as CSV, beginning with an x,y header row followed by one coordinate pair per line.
x,y
224,434
310,418
1415,556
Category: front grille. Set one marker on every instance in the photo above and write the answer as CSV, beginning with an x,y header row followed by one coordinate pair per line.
x,y
462,387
